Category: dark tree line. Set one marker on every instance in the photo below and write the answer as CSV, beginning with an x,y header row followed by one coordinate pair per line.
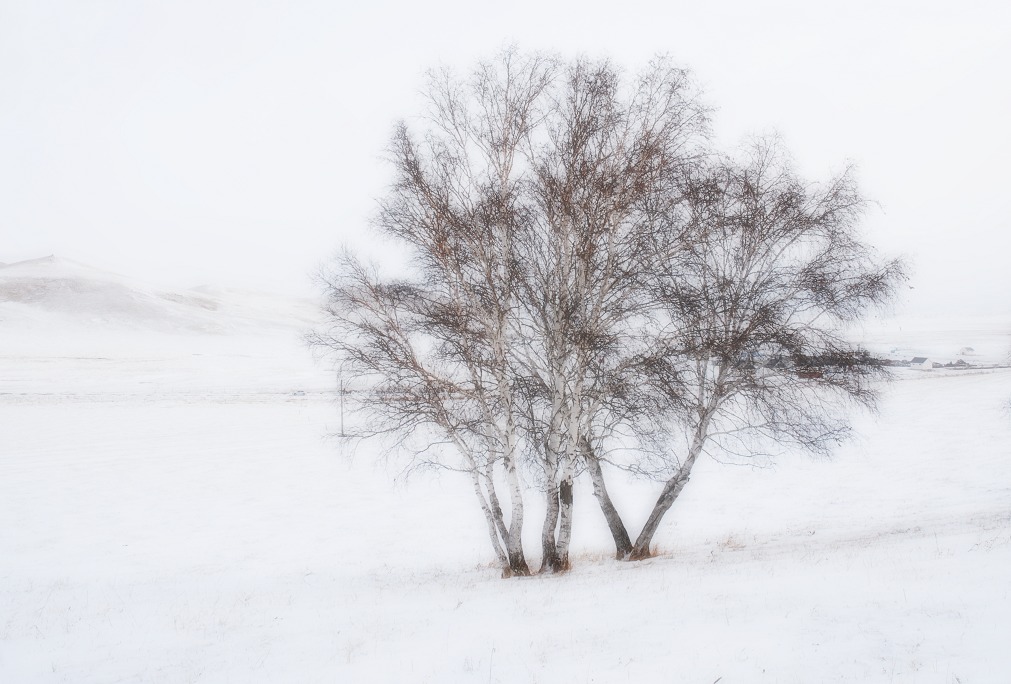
x,y
588,277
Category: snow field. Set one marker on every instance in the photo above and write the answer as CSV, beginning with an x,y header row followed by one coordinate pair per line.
x,y
172,510
228,541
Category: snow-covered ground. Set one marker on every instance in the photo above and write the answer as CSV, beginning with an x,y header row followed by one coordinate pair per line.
x,y
173,510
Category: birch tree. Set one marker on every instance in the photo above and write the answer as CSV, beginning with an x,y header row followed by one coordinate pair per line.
x,y
757,282
434,350
588,276
600,179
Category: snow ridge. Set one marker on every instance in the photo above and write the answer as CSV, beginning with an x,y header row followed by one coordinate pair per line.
x,y
56,292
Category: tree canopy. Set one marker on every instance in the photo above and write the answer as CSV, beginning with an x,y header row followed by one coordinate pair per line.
x,y
588,273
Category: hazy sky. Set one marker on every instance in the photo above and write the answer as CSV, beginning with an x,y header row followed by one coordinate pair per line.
x,y
239,142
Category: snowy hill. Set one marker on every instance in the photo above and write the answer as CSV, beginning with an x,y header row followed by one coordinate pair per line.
x,y
54,292
94,335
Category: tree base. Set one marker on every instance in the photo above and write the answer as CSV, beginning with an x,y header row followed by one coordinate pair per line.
x,y
638,554
555,566
517,567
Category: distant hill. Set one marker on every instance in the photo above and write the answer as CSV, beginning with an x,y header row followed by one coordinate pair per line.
x,y
53,290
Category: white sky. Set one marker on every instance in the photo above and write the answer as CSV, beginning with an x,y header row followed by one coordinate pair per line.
x,y
239,143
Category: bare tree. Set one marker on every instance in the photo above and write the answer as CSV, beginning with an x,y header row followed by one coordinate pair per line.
x,y
758,279
587,278
600,178
527,207
435,351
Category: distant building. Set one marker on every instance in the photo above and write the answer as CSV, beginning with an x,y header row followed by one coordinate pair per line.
x,y
921,362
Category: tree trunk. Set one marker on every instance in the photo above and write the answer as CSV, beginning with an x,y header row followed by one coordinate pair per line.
x,y
561,560
514,542
508,546
550,466
493,524
671,491
517,562
493,502
572,413
548,531
622,542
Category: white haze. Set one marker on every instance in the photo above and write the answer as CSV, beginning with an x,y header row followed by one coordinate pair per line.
x,y
240,143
